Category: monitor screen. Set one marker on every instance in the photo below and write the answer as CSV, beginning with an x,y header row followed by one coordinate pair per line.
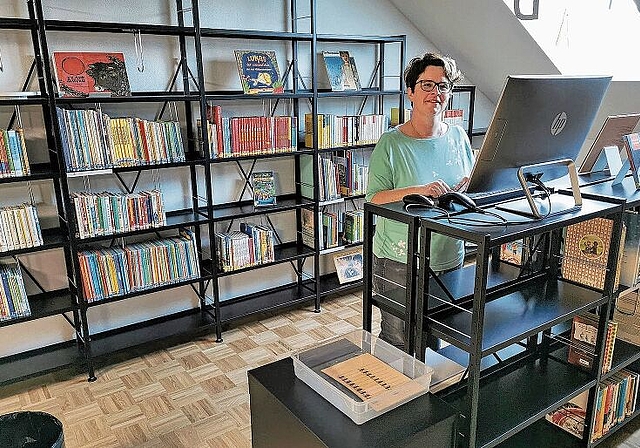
x,y
611,133
538,119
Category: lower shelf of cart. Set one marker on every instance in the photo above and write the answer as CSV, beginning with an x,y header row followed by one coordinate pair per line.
x,y
330,285
542,433
186,323
536,385
265,301
39,362
516,315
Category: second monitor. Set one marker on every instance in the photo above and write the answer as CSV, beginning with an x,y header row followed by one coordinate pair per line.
x,y
538,119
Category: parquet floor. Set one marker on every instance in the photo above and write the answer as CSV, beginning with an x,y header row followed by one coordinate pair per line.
x,y
192,395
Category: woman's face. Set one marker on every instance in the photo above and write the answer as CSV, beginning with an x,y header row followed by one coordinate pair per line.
x,y
429,103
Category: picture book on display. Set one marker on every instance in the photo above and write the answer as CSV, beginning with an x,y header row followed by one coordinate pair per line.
x,y
586,252
264,188
349,267
87,73
259,72
341,70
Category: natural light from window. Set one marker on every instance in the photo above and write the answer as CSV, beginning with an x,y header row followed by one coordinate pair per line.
x,y
586,36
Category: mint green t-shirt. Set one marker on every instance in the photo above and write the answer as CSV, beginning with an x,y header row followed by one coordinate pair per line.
x,y
401,161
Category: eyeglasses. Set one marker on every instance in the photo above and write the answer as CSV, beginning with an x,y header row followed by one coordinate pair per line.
x,y
428,86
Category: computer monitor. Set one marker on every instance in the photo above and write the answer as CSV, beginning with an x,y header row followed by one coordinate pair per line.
x,y
538,119
611,133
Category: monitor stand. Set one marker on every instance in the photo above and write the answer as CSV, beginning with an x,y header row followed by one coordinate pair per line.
x,y
539,208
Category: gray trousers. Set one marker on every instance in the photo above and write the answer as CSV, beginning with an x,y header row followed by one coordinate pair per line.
x,y
386,271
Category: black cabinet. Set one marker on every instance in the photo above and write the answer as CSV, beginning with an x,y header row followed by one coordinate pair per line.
x,y
287,412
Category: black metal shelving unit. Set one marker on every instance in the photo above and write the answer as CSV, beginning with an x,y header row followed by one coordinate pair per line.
x,y
502,321
97,345
43,303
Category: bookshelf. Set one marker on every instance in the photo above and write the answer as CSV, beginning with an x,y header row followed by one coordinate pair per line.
x,y
508,324
91,233
49,236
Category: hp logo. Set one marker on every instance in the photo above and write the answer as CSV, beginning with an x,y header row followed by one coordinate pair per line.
x,y
558,123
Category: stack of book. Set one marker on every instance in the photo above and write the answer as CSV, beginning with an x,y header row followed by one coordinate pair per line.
x,y
13,297
19,227
251,246
615,400
115,271
335,131
454,117
108,213
352,173
92,140
14,161
353,226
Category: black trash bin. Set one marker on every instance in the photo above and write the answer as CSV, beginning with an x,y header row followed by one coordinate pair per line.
x,y
30,429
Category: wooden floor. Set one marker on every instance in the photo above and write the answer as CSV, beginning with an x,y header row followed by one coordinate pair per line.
x,y
192,395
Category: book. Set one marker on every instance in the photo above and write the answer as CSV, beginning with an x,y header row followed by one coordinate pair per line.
x,y
264,188
627,315
513,252
84,73
349,266
584,332
586,252
632,148
571,415
341,70
259,72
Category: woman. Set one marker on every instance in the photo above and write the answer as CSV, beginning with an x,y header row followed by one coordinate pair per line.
x,y
425,155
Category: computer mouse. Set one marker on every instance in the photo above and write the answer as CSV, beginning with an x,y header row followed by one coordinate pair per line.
x,y
418,199
455,197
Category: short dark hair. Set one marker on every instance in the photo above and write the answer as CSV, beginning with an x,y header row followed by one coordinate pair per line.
x,y
418,64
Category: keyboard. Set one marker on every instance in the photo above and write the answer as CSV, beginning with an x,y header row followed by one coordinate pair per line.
x,y
493,197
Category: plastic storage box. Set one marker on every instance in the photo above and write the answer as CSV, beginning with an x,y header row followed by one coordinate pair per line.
x,y
308,366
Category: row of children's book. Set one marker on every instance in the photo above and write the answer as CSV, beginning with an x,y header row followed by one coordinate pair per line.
x,y
615,400
19,227
335,131
338,176
248,136
252,245
109,213
115,271
91,140
13,297
337,227
14,161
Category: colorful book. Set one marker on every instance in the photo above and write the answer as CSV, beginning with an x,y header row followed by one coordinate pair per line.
x,y
341,70
571,415
349,266
259,72
84,73
264,188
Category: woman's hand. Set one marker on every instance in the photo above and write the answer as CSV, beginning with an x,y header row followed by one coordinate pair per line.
x,y
437,188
